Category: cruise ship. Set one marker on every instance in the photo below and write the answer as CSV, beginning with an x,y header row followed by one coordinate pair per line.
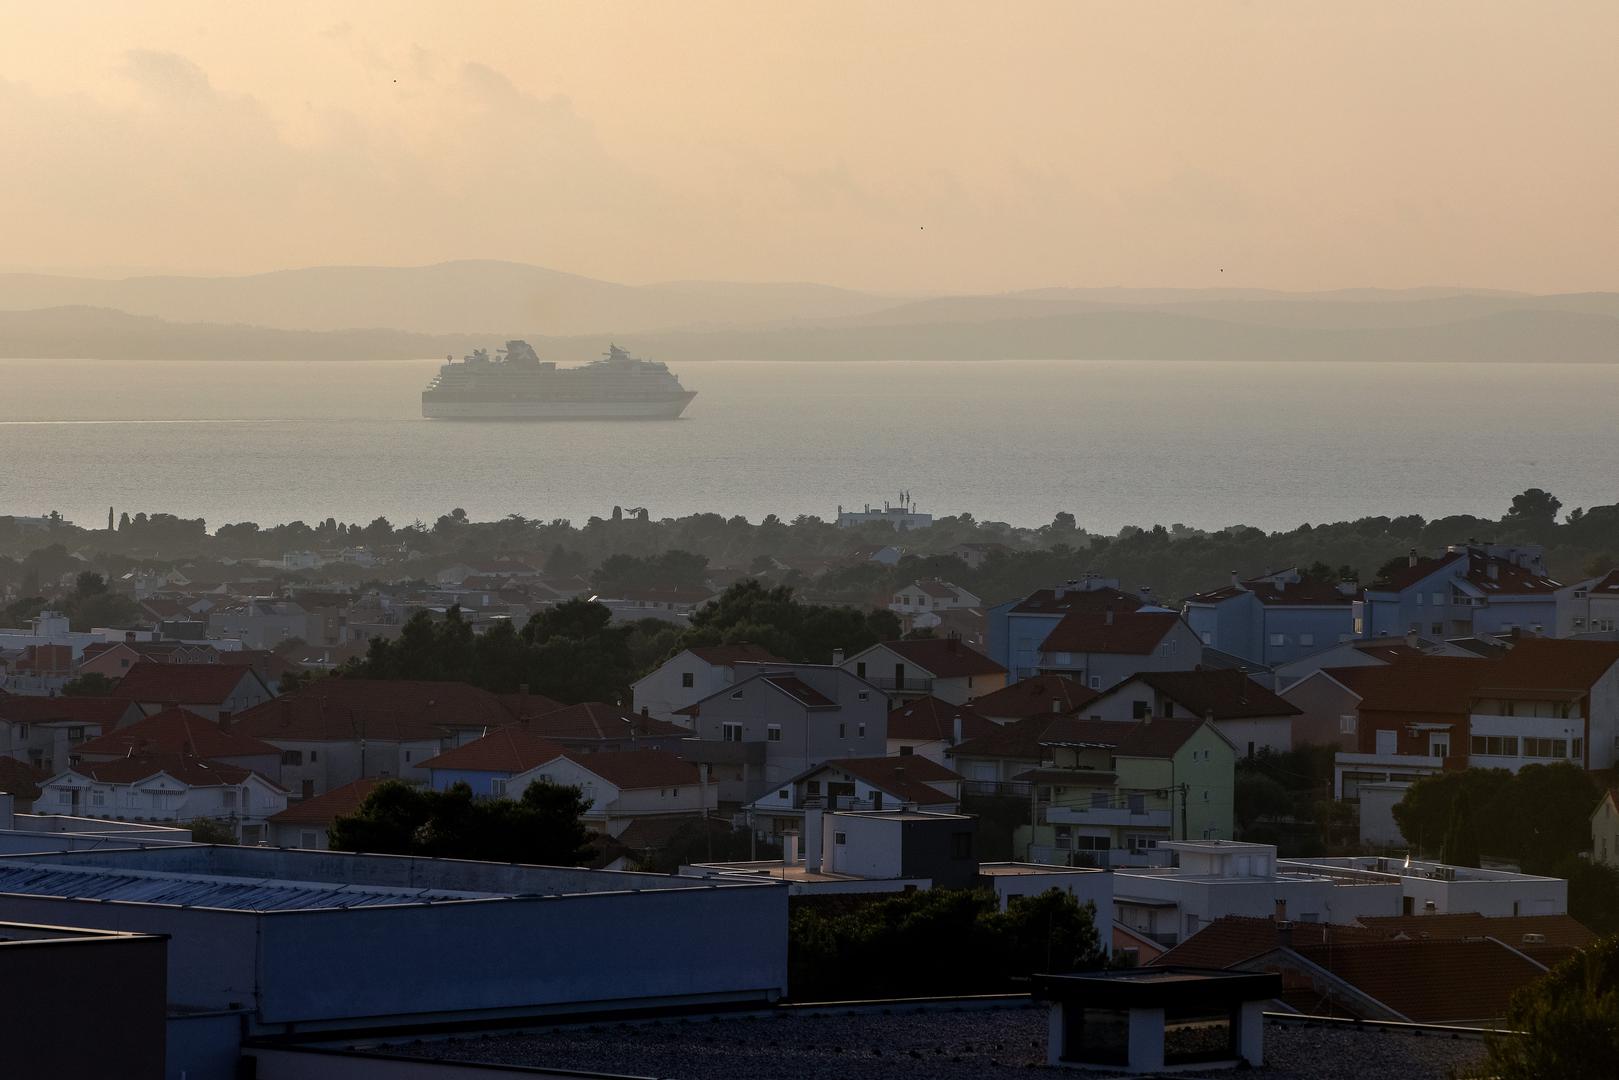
x,y
515,384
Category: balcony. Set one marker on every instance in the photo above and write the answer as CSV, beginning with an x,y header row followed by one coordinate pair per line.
x,y
908,684
1107,817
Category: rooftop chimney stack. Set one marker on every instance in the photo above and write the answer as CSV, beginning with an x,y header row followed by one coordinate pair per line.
x,y
814,826
1107,616
224,719
1236,582
1056,705
1411,557
837,657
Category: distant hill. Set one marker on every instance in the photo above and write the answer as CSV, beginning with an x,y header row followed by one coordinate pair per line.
x,y
1136,334
446,298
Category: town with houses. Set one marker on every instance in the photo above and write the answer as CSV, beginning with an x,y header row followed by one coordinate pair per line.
x,y
1225,782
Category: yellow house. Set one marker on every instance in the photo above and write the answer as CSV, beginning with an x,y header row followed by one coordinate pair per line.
x,y
1125,786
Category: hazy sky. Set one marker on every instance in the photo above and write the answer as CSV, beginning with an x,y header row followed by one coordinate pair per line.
x,y
890,145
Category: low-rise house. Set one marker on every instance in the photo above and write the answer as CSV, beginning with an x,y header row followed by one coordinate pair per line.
x,y
304,824
1274,618
44,731
776,721
594,726
114,658
976,554
264,623
1103,648
1040,695
211,690
337,730
176,731
166,788
858,784
624,786
942,667
1245,712
926,597
1378,651
1471,589
928,727
693,674
1112,792
487,764
1015,629
1590,607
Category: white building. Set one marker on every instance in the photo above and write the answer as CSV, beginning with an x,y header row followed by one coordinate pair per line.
x,y
692,675
166,788
623,786
903,516
926,597
913,667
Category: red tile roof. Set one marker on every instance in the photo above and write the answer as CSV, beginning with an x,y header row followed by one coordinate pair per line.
x,y
186,768
909,778
1018,741
1159,738
1431,685
635,769
801,691
20,779
931,719
327,808
1035,697
1404,577
1608,583
1552,664
1305,593
1229,941
1431,982
181,684
740,653
1134,633
1226,695
508,750
596,721
1047,602
176,731
340,708
523,704
1564,930
106,711
944,658
1508,579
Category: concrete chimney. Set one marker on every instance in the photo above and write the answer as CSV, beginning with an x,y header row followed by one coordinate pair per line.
x,y
1281,910
1411,640
1107,616
1056,705
955,731
837,657
1411,557
814,826
1236,582
224,719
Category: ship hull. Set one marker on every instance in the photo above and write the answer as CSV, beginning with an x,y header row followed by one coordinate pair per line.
x,y
668,408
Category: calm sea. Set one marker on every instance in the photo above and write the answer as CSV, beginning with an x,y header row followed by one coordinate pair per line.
x,y
1207,444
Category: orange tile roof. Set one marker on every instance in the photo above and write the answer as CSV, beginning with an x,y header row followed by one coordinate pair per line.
x,y
930,718
909,778
1131,633
508,750
597,721
634,769
181,684
944,658
327,808
1431,982
186,768
176,731
337,709
1034,697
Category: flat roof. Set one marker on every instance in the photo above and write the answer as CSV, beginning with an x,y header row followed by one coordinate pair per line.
x,y
1015,869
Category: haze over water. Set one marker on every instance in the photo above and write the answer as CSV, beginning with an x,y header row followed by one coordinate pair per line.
x,y
1207,444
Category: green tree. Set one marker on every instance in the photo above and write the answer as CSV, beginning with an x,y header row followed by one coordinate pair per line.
x,y
210,831
1461,833
1258,796
1569,1022
90,684
545,827
1534,507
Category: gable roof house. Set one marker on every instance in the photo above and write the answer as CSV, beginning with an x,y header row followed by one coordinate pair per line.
x,y
1273,618
176,731
1103,648
1245,712
596,726
303,824
486,764
622,787
1014,629
1470,589
927,727
337,730
209,690
44,731
778,720
942,667
166,787
693,674
1039,695
875,783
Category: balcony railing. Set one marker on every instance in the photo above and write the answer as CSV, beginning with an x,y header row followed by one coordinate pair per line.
x,y
908,684
1012,788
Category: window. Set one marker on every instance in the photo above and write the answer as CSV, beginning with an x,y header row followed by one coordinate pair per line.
x,y
64,797
1096,682
843,731
98,798
314,756
1099,800
1278,639
773,733
1208,638
860,731
737,696
1138,803
783,794
812,787
1064,840
1577,750
75,734
731,732
407,756
292,757
907,751
860,669
1438,599
1437,629
1140,710
865,695
228,798
1419,599
1064,658
1546,748
1494,745
840,838
1306,639
497,787
688,680
1139,843
306,840
22,731
1346,724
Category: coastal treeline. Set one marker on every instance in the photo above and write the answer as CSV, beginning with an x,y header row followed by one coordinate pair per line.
x,y
630,549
